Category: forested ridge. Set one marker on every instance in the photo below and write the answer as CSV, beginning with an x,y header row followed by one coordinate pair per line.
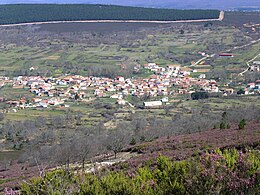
x,y
12,14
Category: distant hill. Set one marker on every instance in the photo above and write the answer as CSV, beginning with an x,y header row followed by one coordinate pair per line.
x,y
26,13
177,4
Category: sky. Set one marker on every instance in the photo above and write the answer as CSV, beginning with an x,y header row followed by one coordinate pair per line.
x,y
178,4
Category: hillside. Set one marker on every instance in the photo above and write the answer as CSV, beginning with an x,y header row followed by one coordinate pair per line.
x,y
11,14
228,158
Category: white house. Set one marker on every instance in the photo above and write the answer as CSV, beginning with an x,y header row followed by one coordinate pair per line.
x,y
153,103
255,68
165,99
121,102
121,79
256,62
202,76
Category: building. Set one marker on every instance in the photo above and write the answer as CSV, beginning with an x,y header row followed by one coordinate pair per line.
x,y
153,104
228,55
202,76
254,68
121,102
165,100
256,62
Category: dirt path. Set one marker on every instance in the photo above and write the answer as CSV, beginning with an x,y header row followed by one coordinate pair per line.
x,y
243,46
200,60
121,157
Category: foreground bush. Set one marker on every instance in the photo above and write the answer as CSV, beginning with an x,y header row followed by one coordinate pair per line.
x,y
220,172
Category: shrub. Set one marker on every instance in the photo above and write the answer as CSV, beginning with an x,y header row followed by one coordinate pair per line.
x,y
132,142
220,172
142,138
242,124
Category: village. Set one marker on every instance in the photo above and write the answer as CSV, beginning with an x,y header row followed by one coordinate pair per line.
x,y
163,83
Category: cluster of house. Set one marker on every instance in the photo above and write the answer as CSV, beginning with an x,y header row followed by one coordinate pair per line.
x,y
255,67
166,81
252,88
177,79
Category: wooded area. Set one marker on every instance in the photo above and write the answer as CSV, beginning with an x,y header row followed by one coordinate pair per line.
x,y
11,14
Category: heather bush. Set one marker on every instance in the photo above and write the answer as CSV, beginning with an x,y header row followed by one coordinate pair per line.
x,y
226,172
219,172
8,191
53,182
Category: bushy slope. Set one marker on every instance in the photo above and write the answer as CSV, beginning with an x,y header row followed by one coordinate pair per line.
x,y
10,14
220,172
182,150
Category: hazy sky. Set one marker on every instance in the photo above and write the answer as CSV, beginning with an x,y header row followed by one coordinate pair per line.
x,y
180,4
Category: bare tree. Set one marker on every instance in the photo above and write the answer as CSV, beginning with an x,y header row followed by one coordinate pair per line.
x,y
83,149
65,152
116,141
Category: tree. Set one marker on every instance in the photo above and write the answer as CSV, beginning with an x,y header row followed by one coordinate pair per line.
x,y
222,125
78,117
242,124
199,95
142,138
133,141
139,124
2,116
224,122
224,116
240,92
83,149
65,151
115,142
181,31
167,110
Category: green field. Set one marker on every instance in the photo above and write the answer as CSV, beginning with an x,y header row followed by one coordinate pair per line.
x,y
55,55
163,48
